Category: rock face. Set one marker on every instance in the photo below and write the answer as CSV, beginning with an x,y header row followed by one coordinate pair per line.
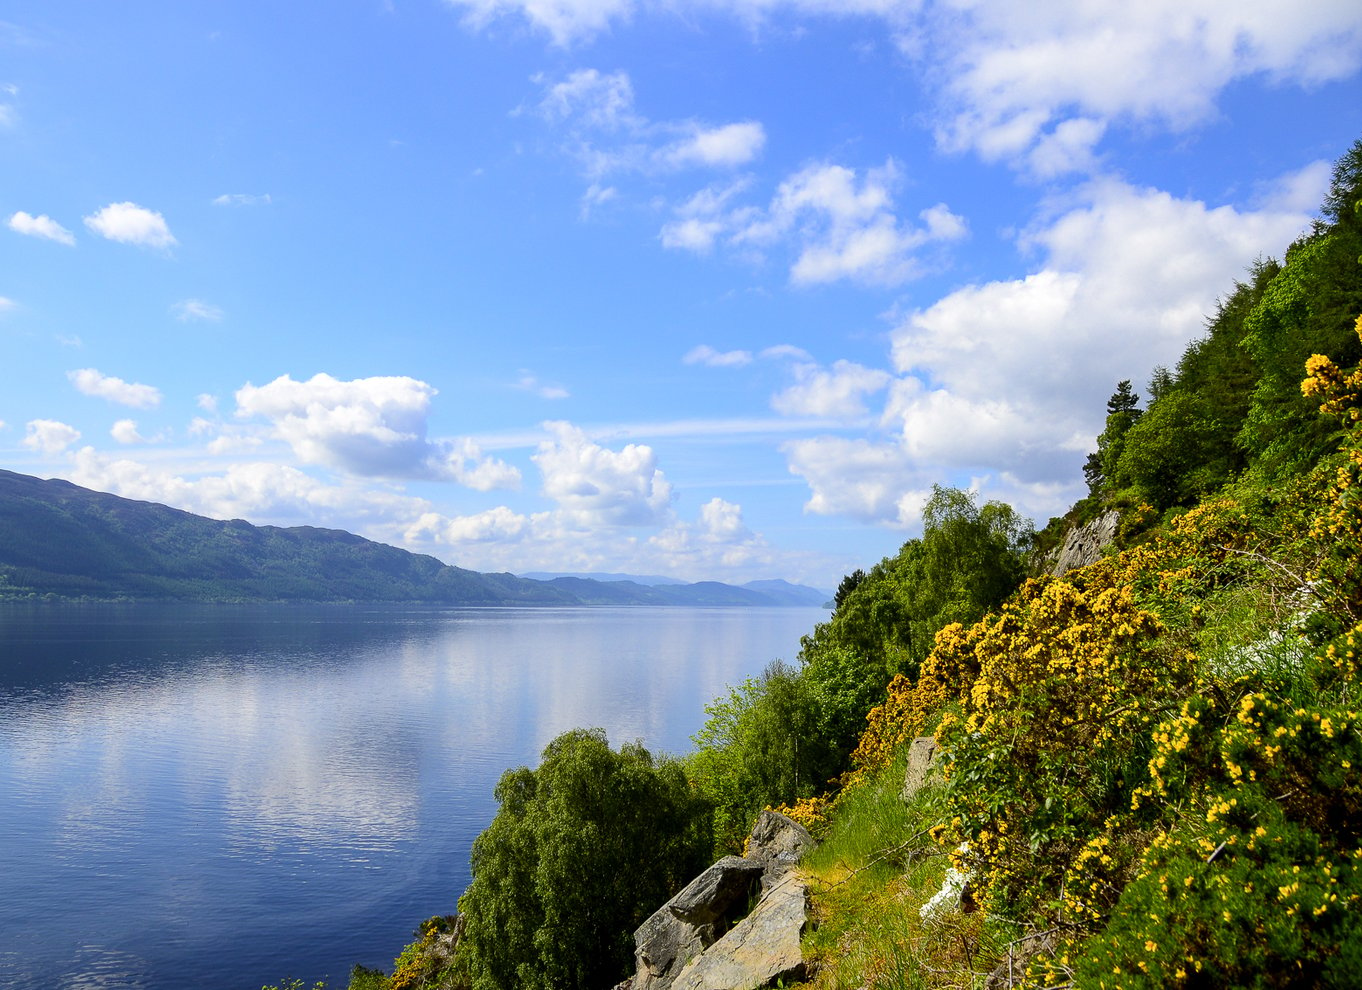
x,y
777,843
922,768
1083,545
692,941
693,920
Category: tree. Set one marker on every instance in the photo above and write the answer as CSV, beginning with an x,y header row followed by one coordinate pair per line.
x,y
1122,413
581,852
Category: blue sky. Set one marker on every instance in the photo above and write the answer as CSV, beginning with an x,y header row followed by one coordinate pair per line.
x,y
714,290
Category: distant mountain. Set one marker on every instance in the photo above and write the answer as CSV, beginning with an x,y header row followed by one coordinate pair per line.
x,y
791,594
59,540
651,580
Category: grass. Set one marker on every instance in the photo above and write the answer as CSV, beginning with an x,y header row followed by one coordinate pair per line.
x,y
869,878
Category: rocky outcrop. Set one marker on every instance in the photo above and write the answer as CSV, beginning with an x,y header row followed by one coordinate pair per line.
x,y
693,920
1083,545
704,939
923,768
761,949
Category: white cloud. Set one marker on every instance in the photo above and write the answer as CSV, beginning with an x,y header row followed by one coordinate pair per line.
x,y
498,525
603,101
41,226
7,304
597,487
264,493
89,381
724,147
708,356
208,403
596,196
838,392
1019,368
872,482
49,436
242,199
1040,84
196,309
125,431
129,223
369,427
840,223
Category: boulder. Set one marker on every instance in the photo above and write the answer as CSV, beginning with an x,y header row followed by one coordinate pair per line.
x,y
761,949
693,920
922,768
777,843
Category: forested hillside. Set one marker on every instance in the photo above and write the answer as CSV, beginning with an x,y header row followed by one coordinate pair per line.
x,y
1152,766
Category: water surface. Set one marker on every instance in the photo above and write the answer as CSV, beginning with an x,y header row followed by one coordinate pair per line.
x,y
222,796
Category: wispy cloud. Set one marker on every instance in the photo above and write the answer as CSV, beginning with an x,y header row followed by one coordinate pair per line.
x,y
708,356
242,199
196,309
529,382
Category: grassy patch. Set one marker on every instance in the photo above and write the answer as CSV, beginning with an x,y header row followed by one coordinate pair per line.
x,y
870,877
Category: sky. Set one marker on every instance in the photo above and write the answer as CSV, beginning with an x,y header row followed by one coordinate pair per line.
x,y
713,290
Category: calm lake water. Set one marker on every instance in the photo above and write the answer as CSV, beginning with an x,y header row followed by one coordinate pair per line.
x,y
223,796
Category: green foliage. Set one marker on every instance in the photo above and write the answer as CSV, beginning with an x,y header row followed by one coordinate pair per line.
x,y
763,744
968,560
581,852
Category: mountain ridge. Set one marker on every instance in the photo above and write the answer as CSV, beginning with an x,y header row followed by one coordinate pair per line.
x,y
59,540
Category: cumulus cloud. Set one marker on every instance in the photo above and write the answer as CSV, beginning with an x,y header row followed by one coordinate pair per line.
x,y
840,224
1040,85
125,431
368,427
708,356
196,309
259,491
1001,384
836,392
596,486
865,480
49,436
90,381
129,223
41,226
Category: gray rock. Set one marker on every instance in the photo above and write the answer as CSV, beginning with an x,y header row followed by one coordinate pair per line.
x,y
761,949
777,843
922,766
693,920
1083,545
